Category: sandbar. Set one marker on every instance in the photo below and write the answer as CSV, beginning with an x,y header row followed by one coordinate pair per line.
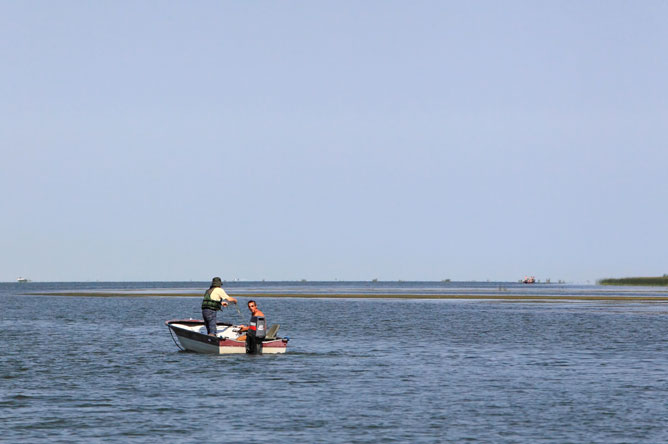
x,y
500,297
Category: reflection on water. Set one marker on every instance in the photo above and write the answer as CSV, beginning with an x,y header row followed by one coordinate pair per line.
x,y
91,369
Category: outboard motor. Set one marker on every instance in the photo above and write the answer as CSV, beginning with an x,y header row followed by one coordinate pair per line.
x,y
257,330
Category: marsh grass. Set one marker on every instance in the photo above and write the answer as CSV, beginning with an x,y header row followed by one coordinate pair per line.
x,y
644,281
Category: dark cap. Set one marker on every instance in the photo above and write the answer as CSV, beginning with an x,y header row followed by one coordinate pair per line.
x,y
216,282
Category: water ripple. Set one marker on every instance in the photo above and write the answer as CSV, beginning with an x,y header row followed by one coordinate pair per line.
x,y
445,371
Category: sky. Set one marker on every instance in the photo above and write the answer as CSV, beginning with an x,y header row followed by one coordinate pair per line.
x,y
333,140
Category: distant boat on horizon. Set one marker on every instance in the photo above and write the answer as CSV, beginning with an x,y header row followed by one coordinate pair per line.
x,y
22,279
529,280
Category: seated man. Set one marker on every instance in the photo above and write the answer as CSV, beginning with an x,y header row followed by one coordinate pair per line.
x,y
252,306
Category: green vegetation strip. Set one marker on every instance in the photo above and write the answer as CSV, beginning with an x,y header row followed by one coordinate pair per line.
x,y
648,281
370,296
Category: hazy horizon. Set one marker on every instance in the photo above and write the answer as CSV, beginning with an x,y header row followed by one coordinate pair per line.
x,y
232,280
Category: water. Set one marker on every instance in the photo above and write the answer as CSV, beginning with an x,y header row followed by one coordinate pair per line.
x,y
80,369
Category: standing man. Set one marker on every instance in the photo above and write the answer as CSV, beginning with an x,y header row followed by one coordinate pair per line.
x,y
214,299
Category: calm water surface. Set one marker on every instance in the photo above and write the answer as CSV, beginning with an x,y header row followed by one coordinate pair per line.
x,y
77,369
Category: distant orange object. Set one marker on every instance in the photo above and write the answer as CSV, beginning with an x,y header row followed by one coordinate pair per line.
x,y
529,280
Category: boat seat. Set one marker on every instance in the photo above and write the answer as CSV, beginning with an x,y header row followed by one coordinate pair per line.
x,y
271,333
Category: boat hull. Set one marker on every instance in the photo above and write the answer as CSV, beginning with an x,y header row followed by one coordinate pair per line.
x,y
192,336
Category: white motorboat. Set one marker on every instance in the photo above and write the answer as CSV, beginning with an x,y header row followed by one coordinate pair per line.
x,y
22,279
191,335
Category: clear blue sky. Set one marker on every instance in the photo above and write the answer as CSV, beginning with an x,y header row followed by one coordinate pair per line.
x,y
415,140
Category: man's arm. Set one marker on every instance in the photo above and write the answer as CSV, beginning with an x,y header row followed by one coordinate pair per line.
x,y
227,297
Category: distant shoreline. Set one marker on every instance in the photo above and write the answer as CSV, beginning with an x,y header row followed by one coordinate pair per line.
x,y
637,281
508,297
